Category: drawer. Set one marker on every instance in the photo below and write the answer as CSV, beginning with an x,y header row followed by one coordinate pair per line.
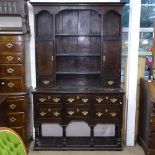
x,y
153,123
16,119
108,99
152,141
12,85
45,81
9,58
48,99
22,131
111,82
12,70
49,112
77,99
16,104
12,37
10,46
151,152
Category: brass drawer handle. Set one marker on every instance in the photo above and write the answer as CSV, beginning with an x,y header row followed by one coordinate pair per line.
x,y
113,114
71,113
42,114
99,114
99,100
56,99
12,106
70,100
10,70
2,83
11,85
120,102
106,110
42,100
46,82
84,113
9,45
12,119
56,113
9,58
113,100
85,100
110,83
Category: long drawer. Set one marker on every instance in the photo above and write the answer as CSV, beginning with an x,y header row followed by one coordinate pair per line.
x,y
12,84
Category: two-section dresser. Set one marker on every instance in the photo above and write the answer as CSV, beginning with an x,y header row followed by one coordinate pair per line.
x,y
16,108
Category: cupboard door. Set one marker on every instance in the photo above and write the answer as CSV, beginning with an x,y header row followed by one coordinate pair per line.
x,y
45,62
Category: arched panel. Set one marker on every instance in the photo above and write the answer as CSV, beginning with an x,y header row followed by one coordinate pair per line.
x,y
44,24
111,24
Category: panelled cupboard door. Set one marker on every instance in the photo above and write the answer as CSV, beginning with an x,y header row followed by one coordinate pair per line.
x,y
45,62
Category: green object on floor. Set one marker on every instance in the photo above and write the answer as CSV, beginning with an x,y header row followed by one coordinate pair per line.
x,y
10,144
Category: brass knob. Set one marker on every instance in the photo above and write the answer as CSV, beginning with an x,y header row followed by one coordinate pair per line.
x,y
9,58
113,100
110,83
42,114
84,113
71,112
106,110
12,119
56,99
9,45
11,84
10,70
42,100
99,100
99,114
70,100
12,106
56,113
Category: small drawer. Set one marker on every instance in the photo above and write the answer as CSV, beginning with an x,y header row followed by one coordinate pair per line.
x,y
12,70
108,99
16,103
9,58
12,85
77,99
11,37
22,131
10,46
16,119
152,141
45,82
48,99
48,112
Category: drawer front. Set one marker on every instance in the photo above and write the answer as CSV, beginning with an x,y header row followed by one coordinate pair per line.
x,y
16,119
16,104
22,131
49,112
152,141
108,99
9,58
12,38
12,70
12,85
77,99
11,46
151,152
45,81
48,99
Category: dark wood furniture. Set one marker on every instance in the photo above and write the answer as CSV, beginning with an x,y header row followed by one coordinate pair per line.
x,y
16,108
78,68
146,130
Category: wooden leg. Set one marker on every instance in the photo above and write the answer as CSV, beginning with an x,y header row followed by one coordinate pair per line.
x,y
64,135
91,135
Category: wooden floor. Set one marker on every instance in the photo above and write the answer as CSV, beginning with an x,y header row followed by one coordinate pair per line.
x,y
137,150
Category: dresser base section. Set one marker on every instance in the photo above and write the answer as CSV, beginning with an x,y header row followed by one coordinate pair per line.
x,y
77,143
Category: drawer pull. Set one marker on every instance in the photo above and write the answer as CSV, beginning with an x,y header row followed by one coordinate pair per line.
x,y
18,58
12,119
70,100
46,82
52,58
99,114
99,100
56,113
113,100
9,45
42,100
71,113
12,106
11,85
9,58
56,99
77,97
49,109
113,114
110,83
84,113
2,83
10,70
106,110
120,102
106,97
85,100
42,114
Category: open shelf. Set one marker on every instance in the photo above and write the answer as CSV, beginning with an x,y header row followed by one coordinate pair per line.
x,y
77,73
70,35
76,55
